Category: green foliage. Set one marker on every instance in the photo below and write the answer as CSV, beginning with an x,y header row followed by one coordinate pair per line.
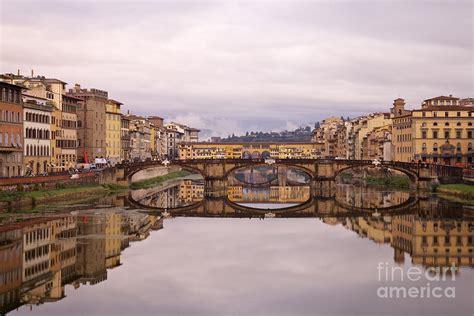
x,y
148,183
464,191
399,182
114,187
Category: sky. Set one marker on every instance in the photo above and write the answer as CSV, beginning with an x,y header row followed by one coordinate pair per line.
x,y
232,66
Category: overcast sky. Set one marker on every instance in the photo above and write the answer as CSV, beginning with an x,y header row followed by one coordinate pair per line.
x,y
232,66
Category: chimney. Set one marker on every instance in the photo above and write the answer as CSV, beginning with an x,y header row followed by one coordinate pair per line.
x,y
32,73
18,72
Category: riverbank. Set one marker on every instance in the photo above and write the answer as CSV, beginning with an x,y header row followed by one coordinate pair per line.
x,y
394,181
25,199
148,183
459,191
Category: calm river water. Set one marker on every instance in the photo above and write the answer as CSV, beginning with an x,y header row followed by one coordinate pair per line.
x,y
352,253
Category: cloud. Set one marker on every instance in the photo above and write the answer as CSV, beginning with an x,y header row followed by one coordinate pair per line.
x,y
246,64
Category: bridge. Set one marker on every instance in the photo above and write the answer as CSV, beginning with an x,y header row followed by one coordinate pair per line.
x,y
322,172
316,206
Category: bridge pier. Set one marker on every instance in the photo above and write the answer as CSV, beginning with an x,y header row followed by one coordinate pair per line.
x,y
215,187
325,188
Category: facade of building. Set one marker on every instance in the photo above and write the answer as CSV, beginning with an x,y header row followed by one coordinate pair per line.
x,y
443,132
63,130
114,131
37,113
68,141
139,130
11,130
205,150
402,132
91,123
124,138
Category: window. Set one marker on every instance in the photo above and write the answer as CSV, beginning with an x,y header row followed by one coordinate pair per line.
x,y
435,147
423,147
435,134
435,124
458,114
435,114
458,124
446,134
423,134
446,124
469,147
458,147
469,134
446,114
458,134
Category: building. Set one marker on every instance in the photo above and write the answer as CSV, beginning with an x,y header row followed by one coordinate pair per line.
x,y
91,123
63,134
365,125
378,144
125,148
37,113
158,137
114,131
402,132
207,150
175,135
443,131
68,140
11,130
140,130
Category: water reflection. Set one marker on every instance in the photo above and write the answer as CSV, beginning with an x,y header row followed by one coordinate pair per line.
x,y
40,255
185,193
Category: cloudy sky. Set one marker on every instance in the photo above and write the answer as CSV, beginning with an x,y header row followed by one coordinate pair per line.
x,y
231,66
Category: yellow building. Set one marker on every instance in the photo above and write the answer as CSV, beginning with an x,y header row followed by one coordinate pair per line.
x,y
153,144
443,132
113,131
402,131
113,239
195,150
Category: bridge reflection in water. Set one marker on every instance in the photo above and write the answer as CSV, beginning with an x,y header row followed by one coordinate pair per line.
x,y
186,197
42,254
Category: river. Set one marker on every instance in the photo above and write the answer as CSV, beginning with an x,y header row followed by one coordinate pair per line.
x,y
358,251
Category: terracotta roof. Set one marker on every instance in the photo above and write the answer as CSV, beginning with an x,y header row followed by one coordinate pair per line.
x,y
446,108
442,97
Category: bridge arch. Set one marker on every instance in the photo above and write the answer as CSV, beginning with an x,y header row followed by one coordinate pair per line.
x,y
308,172
413,176
137,168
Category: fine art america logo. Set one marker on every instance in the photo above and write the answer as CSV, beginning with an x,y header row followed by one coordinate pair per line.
x,y
428,282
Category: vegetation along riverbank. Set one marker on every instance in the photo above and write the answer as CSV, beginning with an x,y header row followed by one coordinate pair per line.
x,y
9,199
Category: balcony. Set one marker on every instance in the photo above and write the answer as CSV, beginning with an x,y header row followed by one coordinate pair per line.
x,y
10,149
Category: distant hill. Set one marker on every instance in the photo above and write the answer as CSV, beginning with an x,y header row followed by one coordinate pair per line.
x,y
301,134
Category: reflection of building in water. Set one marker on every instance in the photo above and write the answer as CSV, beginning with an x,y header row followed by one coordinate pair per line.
x,y
11,253
191,191
140,225
175,195
113,239
440,238
273,194
369,197
37,280
38,257
90,263
377,229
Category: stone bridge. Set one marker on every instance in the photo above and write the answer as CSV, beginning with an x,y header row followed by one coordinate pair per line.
x,y
318,206
322,172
